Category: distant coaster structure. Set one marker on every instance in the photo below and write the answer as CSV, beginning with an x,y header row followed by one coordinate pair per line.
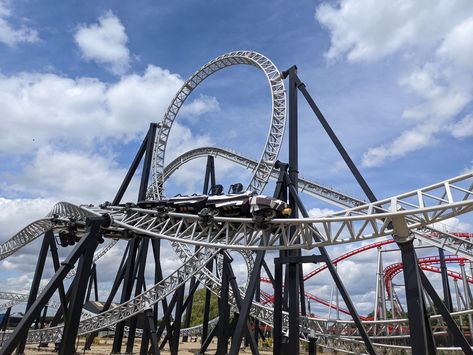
x,y
203,242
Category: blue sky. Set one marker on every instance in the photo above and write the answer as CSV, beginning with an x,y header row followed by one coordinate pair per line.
x,y
80,82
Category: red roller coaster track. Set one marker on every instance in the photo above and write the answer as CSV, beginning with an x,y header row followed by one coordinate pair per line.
x,y
393,270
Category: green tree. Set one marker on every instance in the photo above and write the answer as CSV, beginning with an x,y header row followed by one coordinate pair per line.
x,y
198,307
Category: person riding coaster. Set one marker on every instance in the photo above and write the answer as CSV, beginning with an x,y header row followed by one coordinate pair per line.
x,y
245,204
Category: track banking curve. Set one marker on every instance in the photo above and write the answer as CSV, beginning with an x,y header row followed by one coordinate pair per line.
x,y
415,210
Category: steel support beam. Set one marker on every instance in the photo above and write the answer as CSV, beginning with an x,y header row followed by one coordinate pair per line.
x,y
43,253
126,292
447,295
131,171
158,276
166,316
224,311
346,157
239,304
176,328
206,342
91,283
188,310
21,330
277,317
4,323
116,284
457,335
333,272
78,293
147,161
258,300
57,265
142,255
244,310
293,344
421,340
208,295
151,331
209,175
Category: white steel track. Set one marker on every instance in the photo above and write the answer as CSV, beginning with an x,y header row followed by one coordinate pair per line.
x,y
276,129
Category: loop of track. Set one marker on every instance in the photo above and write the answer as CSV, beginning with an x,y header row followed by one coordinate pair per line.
x,y
277,125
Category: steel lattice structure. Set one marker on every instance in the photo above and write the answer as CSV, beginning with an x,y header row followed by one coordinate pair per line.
x,y
276,130
199,242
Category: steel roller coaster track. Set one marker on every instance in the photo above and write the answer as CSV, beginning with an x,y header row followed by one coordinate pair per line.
x,y
405,217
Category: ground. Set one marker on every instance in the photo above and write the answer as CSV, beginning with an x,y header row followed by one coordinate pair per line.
x,y
104,347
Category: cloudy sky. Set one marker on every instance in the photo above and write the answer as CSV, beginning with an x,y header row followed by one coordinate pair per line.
x,y
81,81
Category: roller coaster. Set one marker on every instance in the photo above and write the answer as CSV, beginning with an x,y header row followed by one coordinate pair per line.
x,y
274,235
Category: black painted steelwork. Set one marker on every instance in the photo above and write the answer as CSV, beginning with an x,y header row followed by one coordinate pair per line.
x,y
223,310
5,319
147,161
126,292
209,183
418,320
116,284
206,318
288,290
92,283
131,172
173,336
82,250
312,346
239,303
71,323
277,317
244,309
176,327
56,264
140,280
333,272
43,253
457,335
447,294
165,320
149,334
421,338
188,309
158,277
346,157
137,247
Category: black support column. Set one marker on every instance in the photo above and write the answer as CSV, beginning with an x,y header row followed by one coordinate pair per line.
x,y
43,253
421,339
86,244
78,293
126,292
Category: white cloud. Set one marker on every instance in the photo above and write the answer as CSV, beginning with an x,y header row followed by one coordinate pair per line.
x,y
320,212
10,35
197,107
463,128
372,29
408,141
141,99
105,43
453,225
39,108
74,176
435,39
17,213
